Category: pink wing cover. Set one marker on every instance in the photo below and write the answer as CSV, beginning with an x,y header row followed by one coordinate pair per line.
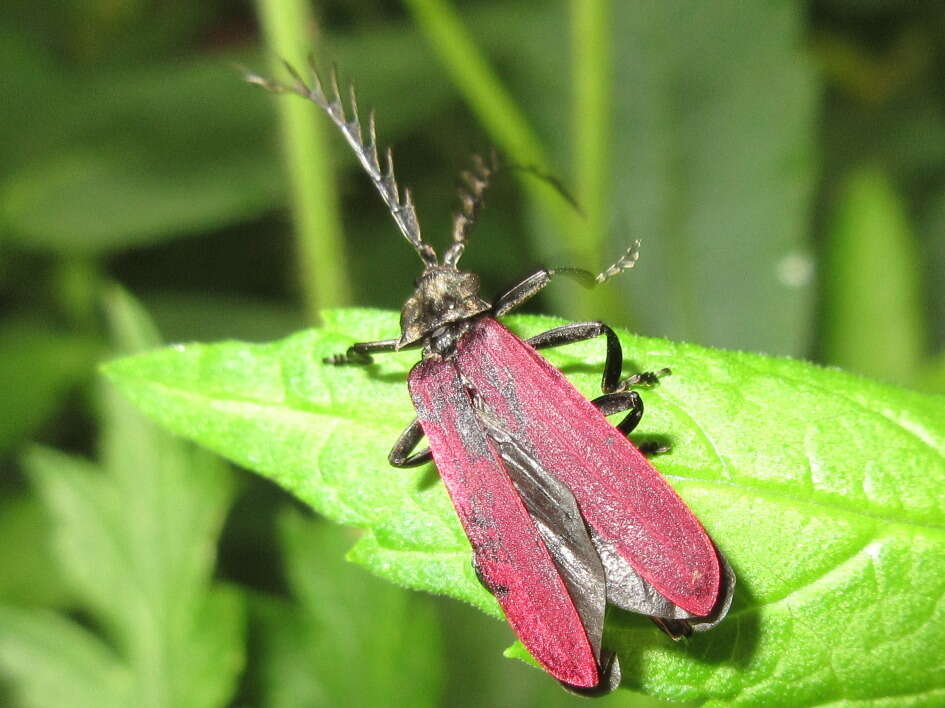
x,y
510,554
620,494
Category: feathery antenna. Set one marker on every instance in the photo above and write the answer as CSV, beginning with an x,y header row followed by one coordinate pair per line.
x,y
625,262
402,210
471,192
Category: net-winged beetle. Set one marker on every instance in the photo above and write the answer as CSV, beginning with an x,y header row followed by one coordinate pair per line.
x,y
564,514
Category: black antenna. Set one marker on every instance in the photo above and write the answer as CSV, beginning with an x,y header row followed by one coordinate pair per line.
x,y
471,192
403,211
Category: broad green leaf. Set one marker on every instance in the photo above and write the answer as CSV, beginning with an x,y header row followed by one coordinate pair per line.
x,y
349,639
135,540
714,168
822,489
38,366
873,319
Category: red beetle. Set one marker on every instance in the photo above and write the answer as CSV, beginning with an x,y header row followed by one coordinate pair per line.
x,y
564,514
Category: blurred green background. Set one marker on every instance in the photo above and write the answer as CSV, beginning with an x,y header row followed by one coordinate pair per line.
x,y
782,162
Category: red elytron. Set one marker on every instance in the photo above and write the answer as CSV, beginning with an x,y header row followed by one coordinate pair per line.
x,y
496,379
564,514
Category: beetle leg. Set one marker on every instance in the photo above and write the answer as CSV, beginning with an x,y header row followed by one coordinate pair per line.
x,y
534,283
613,362
360,353
611,403
400,454
517,295
676,629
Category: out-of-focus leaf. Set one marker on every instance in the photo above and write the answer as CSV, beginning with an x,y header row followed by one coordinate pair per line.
x,y
30,575
206,317
472,643
714,167
52,661
284,674
37,367
778,458
144,155
135,539
933,376
349,639
873,319
934,227
30,79
158,152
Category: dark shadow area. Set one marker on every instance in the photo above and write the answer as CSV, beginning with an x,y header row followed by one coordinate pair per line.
x,y
732,643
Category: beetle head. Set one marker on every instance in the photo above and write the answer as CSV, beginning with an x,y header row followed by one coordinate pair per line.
x,y
443,295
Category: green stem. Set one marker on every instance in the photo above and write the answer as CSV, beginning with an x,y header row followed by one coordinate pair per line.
x,y
482,89
590,123
288,26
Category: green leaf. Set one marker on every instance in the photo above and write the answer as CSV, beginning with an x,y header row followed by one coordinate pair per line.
x,y
161,153
933,256
144,155
54,661
30,575
933,376
207,316
135,540
822,489
871,242
349,639
37,368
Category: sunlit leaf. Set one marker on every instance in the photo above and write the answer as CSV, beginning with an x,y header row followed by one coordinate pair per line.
x,y
821,488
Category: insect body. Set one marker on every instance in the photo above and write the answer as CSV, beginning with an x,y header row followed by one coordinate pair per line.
x,y
563,513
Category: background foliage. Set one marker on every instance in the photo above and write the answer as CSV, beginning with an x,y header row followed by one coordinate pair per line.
x,y
783,163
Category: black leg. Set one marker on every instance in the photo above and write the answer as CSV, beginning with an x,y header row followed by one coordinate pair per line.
x,y
652,447
400,454
532,285
360,353
676,629
579,331
611,403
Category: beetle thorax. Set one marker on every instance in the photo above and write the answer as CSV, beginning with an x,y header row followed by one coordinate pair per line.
x,y
443,298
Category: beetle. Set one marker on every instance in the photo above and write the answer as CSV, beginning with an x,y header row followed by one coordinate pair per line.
x,y
564,514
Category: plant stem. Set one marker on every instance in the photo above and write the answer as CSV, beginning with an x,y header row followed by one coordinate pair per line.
x,y
288,27
590,125
482,89
590,116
